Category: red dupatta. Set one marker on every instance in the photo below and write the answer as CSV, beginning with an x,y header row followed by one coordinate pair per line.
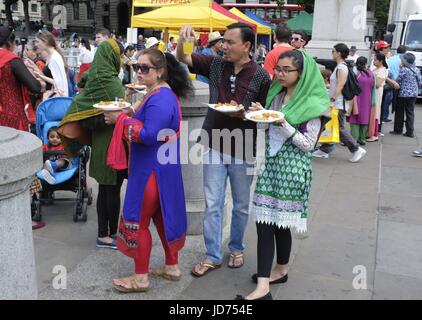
x,y
5,57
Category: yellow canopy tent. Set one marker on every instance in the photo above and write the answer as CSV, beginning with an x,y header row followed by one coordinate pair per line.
x,y
200,17
260,28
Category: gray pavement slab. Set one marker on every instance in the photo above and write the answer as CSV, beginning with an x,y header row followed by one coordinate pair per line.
x,y
397,287
399,248
401,208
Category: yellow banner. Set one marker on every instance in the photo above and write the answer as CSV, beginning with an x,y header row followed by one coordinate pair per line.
x,y
165,3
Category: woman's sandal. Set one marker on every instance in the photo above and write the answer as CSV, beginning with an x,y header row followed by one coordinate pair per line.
x,y
233,258
210,267
165,275
134,287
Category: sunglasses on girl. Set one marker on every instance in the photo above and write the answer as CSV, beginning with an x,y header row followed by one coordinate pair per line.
x,y
143,68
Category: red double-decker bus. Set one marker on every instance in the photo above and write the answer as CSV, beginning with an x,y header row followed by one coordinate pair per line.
x,y
268,12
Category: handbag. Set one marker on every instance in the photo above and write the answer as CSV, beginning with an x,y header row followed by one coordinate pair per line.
x,y
331,133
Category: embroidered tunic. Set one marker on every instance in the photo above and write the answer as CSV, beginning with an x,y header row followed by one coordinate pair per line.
x,y
282,190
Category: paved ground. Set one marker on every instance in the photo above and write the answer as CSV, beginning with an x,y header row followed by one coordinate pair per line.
x,y
365,216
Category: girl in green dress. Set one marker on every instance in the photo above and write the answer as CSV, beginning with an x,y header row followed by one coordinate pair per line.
x,y
280,201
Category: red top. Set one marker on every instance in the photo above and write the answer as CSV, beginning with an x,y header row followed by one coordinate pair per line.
x,y
47,147
272,57
13,97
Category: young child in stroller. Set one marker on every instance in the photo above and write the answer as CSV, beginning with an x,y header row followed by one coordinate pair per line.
x,y
56,161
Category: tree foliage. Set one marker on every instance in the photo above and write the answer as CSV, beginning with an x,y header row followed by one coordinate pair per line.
x,y
308,4
381,14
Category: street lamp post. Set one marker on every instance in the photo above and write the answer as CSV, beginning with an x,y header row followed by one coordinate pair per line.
x,y
93,4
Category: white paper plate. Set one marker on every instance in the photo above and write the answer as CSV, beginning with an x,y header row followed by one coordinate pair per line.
x,y
250,116
113,106
135,86
225,109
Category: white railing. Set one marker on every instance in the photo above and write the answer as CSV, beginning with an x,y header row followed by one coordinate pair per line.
x,y
71,56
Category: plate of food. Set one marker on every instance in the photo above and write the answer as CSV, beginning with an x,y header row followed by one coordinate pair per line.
x,y
135,86
226,107
112,105
264,116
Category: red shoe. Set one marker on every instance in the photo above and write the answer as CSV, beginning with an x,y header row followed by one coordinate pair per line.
x,y
38,225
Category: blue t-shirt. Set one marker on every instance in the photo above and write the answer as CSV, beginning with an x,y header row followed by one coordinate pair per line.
x,y
394,66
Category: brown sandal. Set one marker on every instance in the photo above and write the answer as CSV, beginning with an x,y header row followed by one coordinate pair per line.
x,y
133,286
210,267
165,275
234,257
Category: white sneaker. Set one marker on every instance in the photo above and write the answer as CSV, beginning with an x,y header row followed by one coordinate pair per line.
x,y
47,176
357,155
48,166
320,154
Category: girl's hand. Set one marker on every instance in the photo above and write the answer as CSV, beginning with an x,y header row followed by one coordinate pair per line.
x,y
280,122
255,106
110,117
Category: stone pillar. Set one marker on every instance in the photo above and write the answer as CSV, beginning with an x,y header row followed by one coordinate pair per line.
x,y
20,158
194,111
338,21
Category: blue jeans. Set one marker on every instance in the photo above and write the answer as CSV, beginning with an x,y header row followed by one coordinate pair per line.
x,y
385,108
217,167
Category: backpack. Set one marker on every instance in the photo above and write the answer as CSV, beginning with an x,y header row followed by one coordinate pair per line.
x,y
351,87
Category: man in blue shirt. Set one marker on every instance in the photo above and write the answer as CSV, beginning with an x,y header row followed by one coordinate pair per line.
x,y
390,96
212,49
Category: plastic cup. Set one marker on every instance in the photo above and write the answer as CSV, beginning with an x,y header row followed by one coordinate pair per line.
x,y
188,46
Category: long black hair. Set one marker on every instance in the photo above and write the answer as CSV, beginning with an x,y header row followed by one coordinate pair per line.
x,y
381,57
174,73
361,65
86,44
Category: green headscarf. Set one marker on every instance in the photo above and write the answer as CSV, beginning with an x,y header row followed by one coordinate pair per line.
x,y
102,84
310,97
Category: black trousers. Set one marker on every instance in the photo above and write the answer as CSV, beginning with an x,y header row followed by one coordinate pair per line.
x,y
405,106
268,236
108,207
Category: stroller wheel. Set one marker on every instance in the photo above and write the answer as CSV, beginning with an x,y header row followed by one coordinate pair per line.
x,y
36,211
50,197
84,216
89,196
77,211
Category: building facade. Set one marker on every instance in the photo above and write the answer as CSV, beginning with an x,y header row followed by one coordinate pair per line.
x,y
84,16
18,13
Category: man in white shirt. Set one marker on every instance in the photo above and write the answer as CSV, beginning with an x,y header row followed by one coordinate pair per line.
x,y
353,56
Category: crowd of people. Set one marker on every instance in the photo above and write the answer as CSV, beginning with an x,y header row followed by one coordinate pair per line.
x,y
286,79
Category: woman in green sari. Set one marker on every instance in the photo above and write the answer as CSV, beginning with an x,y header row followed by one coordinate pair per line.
x,y
83,124
280,200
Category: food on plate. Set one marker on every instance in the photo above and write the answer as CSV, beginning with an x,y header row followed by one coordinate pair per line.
x,y
265,116
120,104
229,105
134,85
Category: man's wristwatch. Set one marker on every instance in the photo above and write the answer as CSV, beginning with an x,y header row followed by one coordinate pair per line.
x,y
332,99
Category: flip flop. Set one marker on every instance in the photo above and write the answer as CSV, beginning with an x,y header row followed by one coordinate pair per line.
x,y
210,266
235,256
134,287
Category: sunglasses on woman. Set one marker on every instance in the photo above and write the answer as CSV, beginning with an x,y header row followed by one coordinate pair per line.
x,y
143,68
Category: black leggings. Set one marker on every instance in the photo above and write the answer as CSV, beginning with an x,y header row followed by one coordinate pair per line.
x,y
108,207
266,236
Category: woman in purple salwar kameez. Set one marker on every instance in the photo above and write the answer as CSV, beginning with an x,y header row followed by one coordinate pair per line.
x,y
155,186
361,114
